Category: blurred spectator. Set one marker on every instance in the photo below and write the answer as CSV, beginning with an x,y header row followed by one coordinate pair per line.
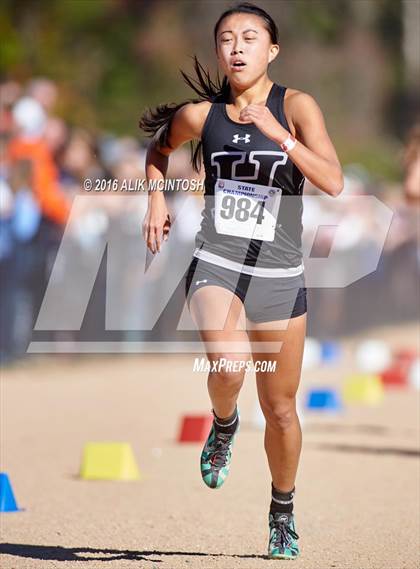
x,y
7,256
44,91
29,144
10,91
79,159
411,162
38,212
55,135
401,259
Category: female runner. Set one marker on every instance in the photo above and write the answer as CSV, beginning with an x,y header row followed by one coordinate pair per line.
x,y
259,141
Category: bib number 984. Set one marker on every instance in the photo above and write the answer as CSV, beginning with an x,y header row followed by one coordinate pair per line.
x,y
246,210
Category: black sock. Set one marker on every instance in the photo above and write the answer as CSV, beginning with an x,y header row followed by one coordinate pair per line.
x,y
281,501
227,425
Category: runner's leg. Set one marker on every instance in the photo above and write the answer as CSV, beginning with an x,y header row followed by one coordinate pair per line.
x,y
220,319
277,395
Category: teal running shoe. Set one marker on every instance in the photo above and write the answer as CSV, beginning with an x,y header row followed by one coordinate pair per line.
x,y
216,457
283,536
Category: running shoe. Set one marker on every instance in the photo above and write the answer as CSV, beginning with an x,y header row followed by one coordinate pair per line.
x,y
216,457
283,536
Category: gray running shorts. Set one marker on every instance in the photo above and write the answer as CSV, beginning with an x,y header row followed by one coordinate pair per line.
x,y
265,299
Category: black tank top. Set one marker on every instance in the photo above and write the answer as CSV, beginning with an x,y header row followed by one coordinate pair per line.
x,y
236,151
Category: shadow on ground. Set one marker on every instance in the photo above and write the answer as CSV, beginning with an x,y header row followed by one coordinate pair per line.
x,y
411,453
56,553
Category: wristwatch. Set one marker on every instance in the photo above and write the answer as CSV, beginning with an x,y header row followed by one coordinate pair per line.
x,y
288,144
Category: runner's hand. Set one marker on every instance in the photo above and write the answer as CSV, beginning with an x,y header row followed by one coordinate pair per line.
x,y
264,120
156,225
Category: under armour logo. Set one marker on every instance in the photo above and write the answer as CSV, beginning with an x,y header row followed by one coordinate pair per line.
x,y
236,138
203,281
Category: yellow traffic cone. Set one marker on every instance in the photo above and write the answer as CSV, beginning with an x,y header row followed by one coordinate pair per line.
x,y
109,461
363,388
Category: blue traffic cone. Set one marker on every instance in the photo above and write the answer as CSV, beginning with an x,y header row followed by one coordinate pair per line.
x,y
7,498
330,351
324,400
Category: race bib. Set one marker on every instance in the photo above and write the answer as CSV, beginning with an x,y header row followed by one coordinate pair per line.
x,y
246,210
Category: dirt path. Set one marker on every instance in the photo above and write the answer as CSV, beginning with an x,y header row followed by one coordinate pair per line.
x,y
357,499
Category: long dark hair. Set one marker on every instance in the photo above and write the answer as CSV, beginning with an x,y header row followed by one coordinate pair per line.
x,y
157,122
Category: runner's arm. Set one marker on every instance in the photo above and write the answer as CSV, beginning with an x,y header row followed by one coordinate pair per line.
x,y
186,125
314,153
